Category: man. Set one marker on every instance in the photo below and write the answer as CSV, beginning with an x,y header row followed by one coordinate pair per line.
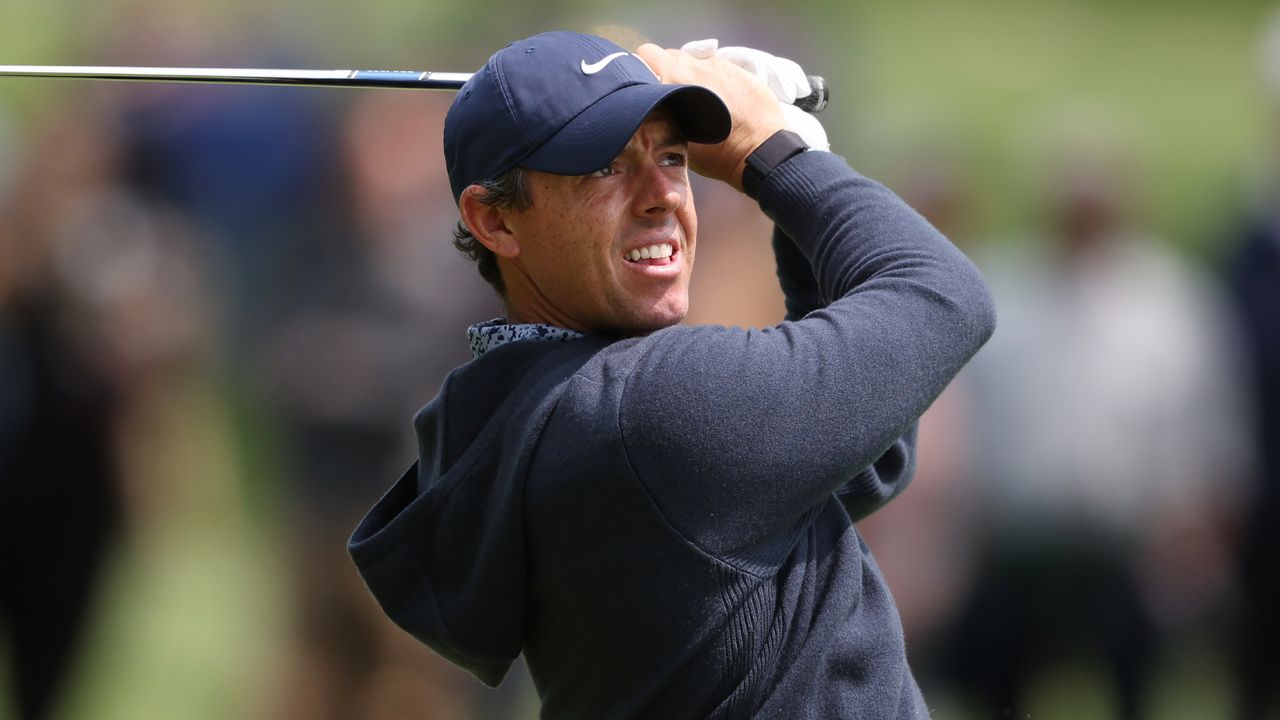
x,y
1252,274
660,517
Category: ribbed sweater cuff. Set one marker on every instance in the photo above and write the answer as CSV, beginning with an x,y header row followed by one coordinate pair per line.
x,y
787,194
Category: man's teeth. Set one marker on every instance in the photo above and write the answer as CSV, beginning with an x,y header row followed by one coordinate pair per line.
x,y
661,250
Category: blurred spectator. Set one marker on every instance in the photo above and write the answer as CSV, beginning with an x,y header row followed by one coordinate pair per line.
x,y
58,494
1253,273
1108,445
248,165
97,300
735,281
1254,276
356,350
923,540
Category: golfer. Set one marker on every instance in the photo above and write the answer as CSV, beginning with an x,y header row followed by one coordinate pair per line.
x,y
661,516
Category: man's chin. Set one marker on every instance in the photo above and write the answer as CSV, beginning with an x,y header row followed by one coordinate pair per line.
x,y
654,318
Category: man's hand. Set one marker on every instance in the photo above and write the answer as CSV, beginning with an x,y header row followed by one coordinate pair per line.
x,y
753,106
784,77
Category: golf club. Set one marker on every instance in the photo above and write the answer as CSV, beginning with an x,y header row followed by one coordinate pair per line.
x,y
812,103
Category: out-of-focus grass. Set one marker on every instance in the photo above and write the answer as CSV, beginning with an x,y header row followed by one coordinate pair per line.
x,y
1178,85
188,629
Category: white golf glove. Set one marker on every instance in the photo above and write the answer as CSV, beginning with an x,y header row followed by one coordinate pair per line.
x,y
784,77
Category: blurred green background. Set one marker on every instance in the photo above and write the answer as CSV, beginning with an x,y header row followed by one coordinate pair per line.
x,y
1179,80
194,614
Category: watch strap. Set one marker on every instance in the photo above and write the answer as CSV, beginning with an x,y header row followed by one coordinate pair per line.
x,y
780,147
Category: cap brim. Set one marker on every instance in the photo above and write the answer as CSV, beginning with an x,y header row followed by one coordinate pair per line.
x,y
597,135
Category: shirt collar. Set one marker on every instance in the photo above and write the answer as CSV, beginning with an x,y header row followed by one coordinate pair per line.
x,y
490,334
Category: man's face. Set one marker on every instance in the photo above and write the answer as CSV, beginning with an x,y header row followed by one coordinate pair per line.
x,y
613,250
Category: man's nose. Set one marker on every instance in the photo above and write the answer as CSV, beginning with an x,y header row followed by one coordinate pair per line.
x,y
659,193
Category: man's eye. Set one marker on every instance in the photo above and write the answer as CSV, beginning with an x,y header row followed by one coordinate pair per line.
x,y
605,171
673,159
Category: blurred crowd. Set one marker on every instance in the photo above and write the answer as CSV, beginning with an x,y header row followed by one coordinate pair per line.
x,y
220,308
1091,491
174,254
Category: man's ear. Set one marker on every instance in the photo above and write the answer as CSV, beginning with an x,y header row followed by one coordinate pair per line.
x,y
487,223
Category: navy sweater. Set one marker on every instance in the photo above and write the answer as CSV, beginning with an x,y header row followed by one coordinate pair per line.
x,y
663,525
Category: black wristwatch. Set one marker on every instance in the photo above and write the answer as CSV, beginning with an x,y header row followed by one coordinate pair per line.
x,y
781,146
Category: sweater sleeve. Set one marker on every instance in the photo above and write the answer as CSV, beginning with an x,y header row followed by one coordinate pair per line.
x,y
738,433
889,474
795,276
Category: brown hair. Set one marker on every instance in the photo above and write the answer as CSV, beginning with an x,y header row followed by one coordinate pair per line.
x,y
508,190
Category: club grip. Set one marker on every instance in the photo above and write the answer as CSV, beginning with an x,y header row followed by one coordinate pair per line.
x,y
816,100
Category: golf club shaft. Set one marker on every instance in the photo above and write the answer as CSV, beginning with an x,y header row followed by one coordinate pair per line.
x,y
814,103
247,76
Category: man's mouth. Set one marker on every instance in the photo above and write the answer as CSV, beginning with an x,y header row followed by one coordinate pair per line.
x,y
656,254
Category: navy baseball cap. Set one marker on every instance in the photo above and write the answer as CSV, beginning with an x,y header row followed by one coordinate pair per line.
x,y
563,103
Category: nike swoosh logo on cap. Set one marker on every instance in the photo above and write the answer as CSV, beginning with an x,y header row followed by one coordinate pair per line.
x,y
600,64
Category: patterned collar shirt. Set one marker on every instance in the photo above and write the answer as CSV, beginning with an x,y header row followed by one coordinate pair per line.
x,y
488,335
